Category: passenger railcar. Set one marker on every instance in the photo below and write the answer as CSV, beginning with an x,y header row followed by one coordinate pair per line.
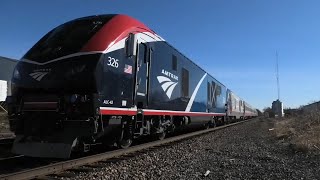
x,y
249,111
235,107
106,79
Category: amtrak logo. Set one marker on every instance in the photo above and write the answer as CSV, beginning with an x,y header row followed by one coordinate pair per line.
x,y
169,74
167,85
39,74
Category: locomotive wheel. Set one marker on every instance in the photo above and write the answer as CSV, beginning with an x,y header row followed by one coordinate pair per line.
x,y
124,143
160,130
213,123
207,125
125,139
160,136
210,124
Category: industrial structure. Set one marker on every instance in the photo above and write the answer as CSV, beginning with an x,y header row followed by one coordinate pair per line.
x,y
277,108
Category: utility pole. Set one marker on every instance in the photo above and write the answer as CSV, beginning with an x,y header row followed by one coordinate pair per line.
x,y
277,75
277,106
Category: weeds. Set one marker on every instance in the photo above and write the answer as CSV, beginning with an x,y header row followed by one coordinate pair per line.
x,y
301,131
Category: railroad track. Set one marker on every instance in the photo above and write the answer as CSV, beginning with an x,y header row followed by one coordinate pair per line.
x,y
6,141
11,157
51,169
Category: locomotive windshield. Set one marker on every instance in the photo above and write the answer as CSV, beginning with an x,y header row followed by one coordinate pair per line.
x,y
66,39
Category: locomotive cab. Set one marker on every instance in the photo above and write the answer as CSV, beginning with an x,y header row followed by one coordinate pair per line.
x,y
55,101
80,84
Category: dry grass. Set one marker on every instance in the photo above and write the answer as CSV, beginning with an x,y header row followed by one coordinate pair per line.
x,y
302,132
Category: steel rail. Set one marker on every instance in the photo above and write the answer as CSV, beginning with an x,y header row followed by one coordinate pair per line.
x,y
11,157
65,165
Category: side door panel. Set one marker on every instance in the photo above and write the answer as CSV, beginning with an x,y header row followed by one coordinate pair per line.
x,y
142,73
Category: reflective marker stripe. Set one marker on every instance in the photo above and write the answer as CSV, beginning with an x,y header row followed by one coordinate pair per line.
x,y
132,111
179,113
117,111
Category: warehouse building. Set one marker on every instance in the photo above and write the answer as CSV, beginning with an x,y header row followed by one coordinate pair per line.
x,y
313,107
6,69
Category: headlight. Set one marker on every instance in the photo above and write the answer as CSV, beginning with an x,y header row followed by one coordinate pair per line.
x,y
77,98
74,98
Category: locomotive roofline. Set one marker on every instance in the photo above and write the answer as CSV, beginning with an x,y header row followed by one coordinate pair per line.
x,y
112,32
115,33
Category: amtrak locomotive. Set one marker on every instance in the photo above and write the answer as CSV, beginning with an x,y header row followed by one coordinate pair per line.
x,y
109,79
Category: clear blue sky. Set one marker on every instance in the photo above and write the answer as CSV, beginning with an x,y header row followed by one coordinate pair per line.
x,y
233,40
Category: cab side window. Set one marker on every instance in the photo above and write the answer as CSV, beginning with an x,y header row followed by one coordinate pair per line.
x,y
185,83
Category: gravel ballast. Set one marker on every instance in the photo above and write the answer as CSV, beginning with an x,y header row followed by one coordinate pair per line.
x,y
245,151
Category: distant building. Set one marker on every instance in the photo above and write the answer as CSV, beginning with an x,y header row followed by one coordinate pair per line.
x,y
292,112
7,66
311,107
277,108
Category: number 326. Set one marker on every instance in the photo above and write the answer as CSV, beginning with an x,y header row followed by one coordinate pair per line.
x,y
113,62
